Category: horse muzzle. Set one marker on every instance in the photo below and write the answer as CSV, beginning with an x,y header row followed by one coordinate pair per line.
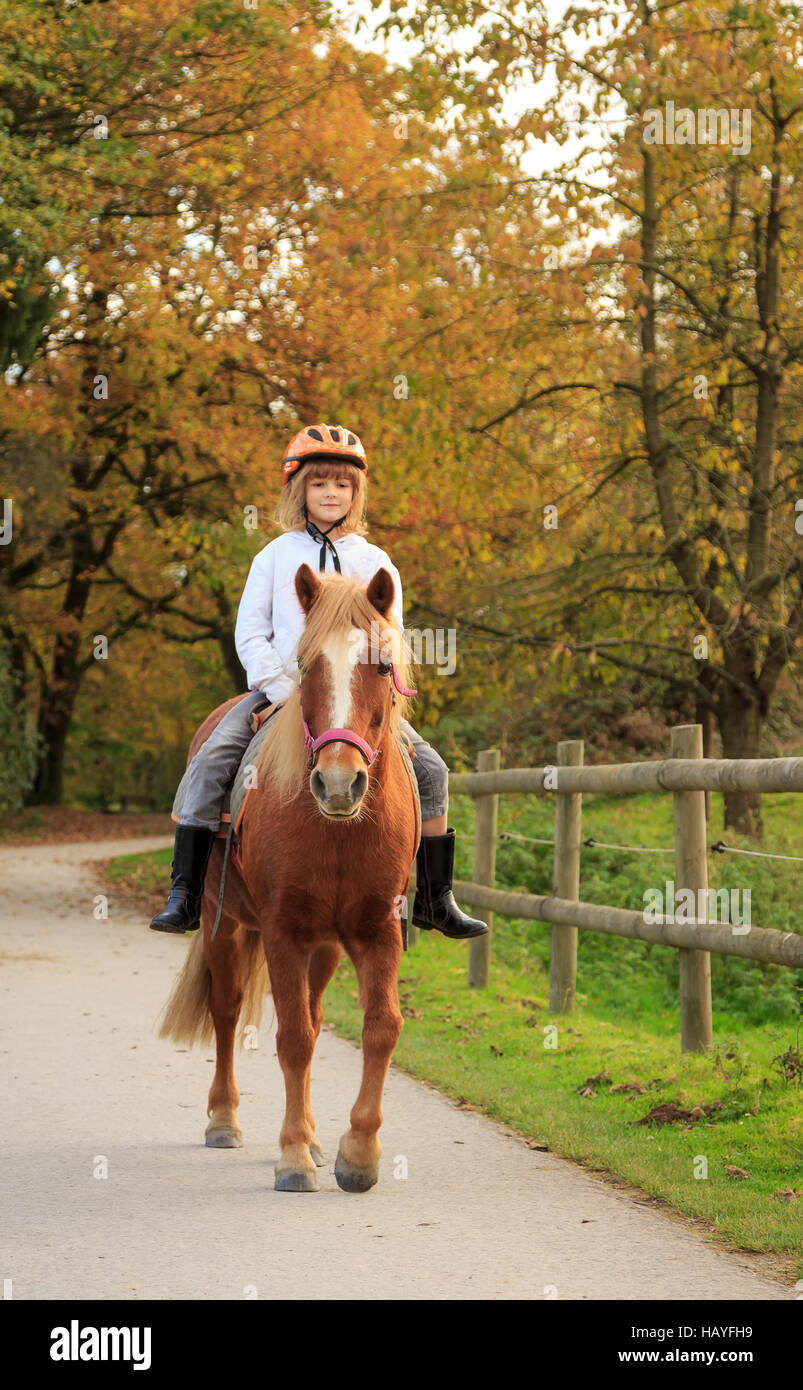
x,y
339,790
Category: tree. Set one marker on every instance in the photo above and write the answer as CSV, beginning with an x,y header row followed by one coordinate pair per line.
x,y
687,248
195,324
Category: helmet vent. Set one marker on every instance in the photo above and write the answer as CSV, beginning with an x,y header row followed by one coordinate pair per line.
x,y
351,439
316,434
335,434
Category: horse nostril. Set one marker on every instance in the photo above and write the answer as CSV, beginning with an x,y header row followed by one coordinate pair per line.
x,y
318,786
359,786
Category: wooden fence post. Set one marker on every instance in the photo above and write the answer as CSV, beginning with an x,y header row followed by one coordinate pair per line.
x,y
566,882
486,819
691,871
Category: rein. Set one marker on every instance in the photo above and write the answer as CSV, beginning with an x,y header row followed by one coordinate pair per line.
x,y
313,745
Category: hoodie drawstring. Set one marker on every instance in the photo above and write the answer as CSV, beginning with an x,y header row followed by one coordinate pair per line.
x,y
318,535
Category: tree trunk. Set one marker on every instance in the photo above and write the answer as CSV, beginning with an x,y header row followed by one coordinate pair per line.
x,y
234,668
225,637
16,661
740,724
58,696
55,716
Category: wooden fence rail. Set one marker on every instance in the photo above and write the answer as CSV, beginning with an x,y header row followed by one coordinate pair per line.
x,y
687,776
624,779
761,943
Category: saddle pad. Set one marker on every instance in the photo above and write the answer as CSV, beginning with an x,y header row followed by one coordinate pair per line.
x,y
408,762
246,772
235,794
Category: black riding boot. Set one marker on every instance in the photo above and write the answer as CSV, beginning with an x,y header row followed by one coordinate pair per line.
x,y
190,858
434,907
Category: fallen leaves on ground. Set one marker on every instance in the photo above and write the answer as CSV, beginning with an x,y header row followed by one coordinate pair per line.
x,y
667,1113
65,825
587,1088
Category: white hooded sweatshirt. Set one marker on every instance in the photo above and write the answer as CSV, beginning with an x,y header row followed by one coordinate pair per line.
x,y
270,619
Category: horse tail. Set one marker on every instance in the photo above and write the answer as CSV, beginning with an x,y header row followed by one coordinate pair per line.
x,y
255,979
187,1017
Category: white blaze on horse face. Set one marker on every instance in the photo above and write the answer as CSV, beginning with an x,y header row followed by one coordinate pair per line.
x,y
343,654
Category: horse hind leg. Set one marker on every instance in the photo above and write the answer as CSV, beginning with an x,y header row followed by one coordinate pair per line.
x,y
231,960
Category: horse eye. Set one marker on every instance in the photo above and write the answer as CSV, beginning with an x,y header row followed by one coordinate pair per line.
x,y
383,669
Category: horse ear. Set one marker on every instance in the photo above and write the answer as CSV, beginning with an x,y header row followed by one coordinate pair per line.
x,y
308,586
381,592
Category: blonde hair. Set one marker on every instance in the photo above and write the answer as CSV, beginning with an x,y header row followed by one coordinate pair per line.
x,y
341,605
288,514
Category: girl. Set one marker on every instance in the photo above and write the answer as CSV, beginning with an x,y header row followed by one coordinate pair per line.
x,y
324,477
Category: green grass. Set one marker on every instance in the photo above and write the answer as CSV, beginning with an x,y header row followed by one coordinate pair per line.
x,y
631,976
490,1048
142,873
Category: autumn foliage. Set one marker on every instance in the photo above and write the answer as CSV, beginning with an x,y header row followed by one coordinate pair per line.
x,y
571,348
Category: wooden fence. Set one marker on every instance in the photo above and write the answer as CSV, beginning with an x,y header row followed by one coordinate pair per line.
x,y
687,776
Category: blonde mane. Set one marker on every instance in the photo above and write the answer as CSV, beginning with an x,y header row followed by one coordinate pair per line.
x,y
341,605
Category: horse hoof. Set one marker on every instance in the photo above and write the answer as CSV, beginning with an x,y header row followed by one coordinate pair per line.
x,y
224,1137
316,1153
352,1179
293,1180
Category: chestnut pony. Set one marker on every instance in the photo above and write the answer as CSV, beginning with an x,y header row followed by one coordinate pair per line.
x,y
325,860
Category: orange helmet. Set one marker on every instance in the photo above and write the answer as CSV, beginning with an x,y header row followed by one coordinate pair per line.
x,y
327,442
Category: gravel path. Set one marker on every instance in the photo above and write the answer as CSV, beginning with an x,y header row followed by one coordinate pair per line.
x,y
87,1087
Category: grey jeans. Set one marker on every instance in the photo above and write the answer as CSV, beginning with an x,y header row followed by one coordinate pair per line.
x,y
213,768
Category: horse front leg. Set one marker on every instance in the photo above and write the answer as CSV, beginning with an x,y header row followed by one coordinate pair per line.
x,y
322,966
288,967
377,964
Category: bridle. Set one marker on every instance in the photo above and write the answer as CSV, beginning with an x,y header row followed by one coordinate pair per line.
x,y
313,745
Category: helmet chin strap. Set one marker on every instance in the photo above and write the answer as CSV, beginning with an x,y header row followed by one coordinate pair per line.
x,y
318,535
